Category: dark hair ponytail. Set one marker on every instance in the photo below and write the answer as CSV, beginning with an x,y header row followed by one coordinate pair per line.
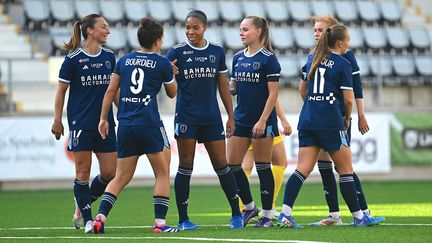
x,y
78,28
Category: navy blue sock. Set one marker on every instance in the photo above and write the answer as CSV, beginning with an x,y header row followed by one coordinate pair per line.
x,y
360,193
348,191
182,188
329,184
292,188
229,186
242,183
107,202
83,198
160,204
265,176
97,187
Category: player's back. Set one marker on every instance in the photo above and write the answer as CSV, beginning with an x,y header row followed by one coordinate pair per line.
x,y
324,93
141,78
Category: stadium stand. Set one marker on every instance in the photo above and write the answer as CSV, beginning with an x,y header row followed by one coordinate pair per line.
x,y
393,46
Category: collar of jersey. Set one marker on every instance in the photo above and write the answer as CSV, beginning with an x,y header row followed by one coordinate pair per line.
x,y
246,55
143,52
90,55
199,48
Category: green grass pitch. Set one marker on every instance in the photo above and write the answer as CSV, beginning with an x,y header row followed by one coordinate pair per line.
x,y
45,216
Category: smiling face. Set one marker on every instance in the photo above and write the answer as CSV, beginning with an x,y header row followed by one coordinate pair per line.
x,y
249,34
100,31
195,29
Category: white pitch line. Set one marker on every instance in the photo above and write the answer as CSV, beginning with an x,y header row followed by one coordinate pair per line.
x,y
148,226
153,238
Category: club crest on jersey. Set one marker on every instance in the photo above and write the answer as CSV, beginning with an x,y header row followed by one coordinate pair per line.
x,y
212,58
256,65
108,64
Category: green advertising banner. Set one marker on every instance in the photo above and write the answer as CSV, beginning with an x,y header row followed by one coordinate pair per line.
x,y
411,139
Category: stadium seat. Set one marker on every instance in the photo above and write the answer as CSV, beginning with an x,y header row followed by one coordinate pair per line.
x,y
59,35
404,68
112,10
321,8
423,64
117,40
289,69
37,13
365,69
213,34
232,39
381,66
299,11
63,11
276,11
281,37
375,38
182,8
346,11
231,11
253,8
397,37
391,11
135,10
132,38
420,38
210,8
368,11
357,39
160,10
86,7
228,62
180,34
169,39
304,38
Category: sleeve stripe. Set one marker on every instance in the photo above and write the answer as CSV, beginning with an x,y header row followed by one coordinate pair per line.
x,y
346,87
169,82
354,73
223,71
64,80
274,75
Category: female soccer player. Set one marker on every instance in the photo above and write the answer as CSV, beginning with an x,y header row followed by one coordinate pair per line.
x,y
279,159
201,72
324,161
256,71
321,124
140,75
87,70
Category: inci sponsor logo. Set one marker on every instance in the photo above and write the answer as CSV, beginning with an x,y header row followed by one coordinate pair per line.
x,y
330,98
415,138
187,52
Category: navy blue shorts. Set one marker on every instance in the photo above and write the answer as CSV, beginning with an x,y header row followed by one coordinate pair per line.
x,y
327,140
138,140
202,133
90,140
244,131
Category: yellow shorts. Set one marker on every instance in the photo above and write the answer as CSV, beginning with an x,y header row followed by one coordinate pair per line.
x,y
276,140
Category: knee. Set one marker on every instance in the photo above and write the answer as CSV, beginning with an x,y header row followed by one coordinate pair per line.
x,y
82,173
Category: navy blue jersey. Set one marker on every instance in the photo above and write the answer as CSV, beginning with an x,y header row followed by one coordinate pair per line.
x,y
197,82
320,109
252,74
357,86
141,78
88,77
